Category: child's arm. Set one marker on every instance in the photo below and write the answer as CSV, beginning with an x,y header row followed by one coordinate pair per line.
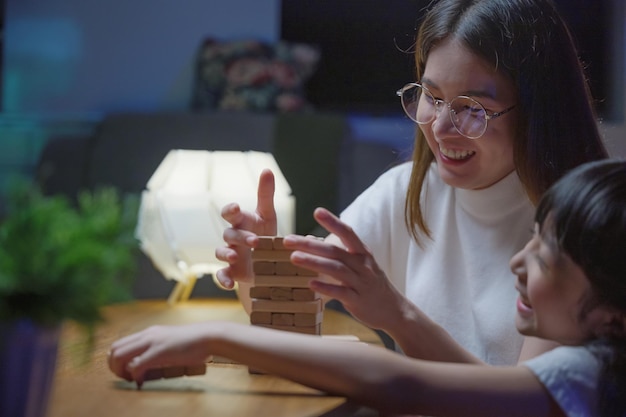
x,y
370,375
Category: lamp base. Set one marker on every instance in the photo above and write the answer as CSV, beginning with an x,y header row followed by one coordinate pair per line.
x,y
182,290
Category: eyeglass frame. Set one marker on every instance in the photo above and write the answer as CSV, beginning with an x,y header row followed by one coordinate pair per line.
x,y
437,106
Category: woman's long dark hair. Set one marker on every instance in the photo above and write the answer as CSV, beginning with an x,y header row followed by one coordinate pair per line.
x,y
529,43
587,216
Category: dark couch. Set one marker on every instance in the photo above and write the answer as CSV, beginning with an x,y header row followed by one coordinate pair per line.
x,y
315,151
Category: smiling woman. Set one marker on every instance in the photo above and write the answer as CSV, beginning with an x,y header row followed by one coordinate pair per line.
x,y
441,229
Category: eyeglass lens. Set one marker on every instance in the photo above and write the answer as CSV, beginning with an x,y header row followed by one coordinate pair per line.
x,y
467,115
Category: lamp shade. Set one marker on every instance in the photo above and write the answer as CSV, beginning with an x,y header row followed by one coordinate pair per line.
x,y
180,224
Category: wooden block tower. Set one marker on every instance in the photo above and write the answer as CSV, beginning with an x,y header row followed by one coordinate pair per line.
x,y
281,298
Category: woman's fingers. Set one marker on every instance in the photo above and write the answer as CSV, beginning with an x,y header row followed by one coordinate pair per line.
x,y
338,269
265,204
263,220
244,231
236,254
330,222
338,292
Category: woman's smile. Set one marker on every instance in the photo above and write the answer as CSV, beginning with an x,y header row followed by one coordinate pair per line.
x,y
456,154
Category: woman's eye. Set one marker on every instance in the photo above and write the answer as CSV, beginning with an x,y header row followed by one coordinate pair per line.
x,y
430,100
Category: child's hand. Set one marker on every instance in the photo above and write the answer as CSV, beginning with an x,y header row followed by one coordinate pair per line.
x,y
156,348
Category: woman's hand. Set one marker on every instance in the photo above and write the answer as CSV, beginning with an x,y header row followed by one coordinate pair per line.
x,y
356,280
244,231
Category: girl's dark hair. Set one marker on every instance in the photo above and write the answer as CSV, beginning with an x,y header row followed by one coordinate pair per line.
x,y
528,42
587,217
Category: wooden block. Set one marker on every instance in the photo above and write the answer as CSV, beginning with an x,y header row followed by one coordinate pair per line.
x,y
265,243
280,293
277,244
271,255
296,329
255,371
195,370
307,319
152,374
287,268
264,268
173,371
271,243
304,294
261,317
287,306
261,292
291,281
305,272
221,359
282,319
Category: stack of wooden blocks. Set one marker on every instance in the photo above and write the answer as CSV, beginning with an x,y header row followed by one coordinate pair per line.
x,y
281,298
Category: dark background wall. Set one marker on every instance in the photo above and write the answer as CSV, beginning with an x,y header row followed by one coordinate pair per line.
x,y
77,56
365,48
66,63
93,56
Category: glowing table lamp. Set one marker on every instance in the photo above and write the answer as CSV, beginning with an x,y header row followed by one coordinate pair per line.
x,y
180,225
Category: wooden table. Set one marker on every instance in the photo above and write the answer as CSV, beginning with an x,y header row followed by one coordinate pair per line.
x,y
91,390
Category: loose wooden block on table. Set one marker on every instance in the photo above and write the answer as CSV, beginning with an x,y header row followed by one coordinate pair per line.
x,y
174,372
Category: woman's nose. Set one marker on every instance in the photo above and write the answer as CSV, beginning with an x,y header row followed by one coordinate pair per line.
x,y
442,124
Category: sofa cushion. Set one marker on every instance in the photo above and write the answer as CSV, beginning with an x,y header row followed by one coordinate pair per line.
x,y
128,147
253,75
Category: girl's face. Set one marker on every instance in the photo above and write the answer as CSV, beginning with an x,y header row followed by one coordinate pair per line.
x,y
552,290
452,70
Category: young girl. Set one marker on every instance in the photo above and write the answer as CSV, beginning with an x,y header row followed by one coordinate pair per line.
x,y
571,280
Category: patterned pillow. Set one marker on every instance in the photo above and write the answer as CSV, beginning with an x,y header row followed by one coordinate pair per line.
x,y
253,75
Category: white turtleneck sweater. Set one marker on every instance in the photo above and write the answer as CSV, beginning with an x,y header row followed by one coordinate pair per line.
x,y
461,278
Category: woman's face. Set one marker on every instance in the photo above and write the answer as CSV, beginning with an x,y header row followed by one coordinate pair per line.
x,y
452,70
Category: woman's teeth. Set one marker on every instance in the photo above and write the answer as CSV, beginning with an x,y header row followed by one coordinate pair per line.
x,y
456,154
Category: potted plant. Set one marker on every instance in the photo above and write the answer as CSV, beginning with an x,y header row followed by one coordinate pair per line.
x,y
59,261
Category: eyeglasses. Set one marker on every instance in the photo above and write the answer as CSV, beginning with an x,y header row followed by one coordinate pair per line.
x,y
468,116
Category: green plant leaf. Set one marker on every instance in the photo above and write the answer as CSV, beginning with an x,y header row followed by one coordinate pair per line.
x,y
59,261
